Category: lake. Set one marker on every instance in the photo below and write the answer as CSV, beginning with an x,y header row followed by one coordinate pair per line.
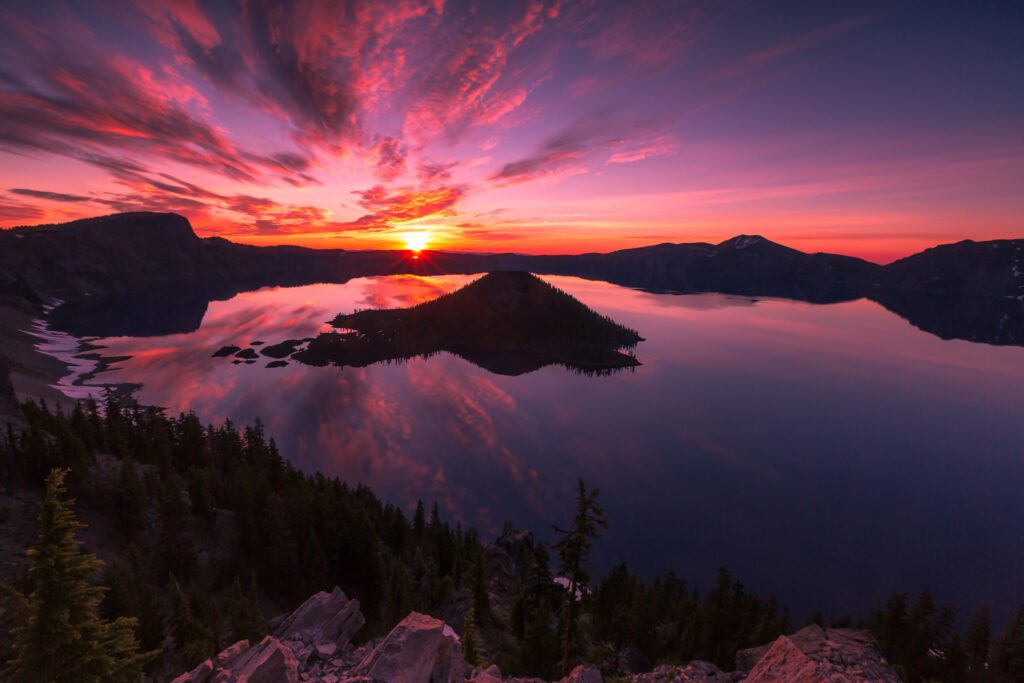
x,y
831,454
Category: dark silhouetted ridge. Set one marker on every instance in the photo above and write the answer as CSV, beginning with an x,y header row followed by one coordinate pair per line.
x,y
145,262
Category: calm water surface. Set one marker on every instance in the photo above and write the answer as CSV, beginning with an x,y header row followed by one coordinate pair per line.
x,y
831,454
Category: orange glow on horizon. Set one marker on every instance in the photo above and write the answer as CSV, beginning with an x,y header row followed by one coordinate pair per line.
x,y
416,241
882,248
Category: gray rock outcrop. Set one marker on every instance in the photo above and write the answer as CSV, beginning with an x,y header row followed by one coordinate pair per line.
x,y
421,649
325,618
268,662
313,643
696,671
837,655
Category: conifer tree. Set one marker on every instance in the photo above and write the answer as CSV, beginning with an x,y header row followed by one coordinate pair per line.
x,y
192,636
245,615
977,641
537,641
419,521
399,596
480,595
470,649
1008,654
130,500
574,548
64,638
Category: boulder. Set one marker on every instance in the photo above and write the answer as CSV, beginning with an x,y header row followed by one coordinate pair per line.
x,y
420,649
694,672
268,662
217,667
491,674
323,618
818,654
230,654
200,674
583,673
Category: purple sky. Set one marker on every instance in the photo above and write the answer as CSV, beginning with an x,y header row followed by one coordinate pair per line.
x,y
870,128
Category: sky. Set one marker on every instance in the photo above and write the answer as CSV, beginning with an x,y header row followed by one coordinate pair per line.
x,y
868,128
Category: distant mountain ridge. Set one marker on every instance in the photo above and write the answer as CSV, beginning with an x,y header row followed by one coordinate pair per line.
x,y
968,290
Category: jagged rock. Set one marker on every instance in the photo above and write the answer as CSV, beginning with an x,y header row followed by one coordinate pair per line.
x,y
491,674
268,662
817,654
420,649
221,662
323,618
230,654
197,675
694,672
584,673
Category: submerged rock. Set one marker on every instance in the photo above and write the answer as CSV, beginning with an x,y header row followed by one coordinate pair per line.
x,y
283,349
226,351
247,354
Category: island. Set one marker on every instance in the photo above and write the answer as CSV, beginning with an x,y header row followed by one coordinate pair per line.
x,y
507,322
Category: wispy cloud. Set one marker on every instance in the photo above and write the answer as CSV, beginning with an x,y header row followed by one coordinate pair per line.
x,y
388,208
52,196
76,101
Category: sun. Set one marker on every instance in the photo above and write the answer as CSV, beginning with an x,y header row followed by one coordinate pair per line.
x,y
416,241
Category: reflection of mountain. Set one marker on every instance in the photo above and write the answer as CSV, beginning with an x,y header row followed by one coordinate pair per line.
x,y
507,322
159,273
968,290
150,313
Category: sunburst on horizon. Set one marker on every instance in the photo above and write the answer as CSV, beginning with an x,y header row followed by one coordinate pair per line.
x,y
416,241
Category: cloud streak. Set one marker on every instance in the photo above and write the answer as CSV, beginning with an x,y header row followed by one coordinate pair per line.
x,y
387,209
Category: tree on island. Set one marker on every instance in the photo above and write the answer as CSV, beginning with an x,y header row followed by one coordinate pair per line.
x,y
63,637
574,548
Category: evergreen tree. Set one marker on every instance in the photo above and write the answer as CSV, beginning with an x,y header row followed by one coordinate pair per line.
x,y
479,591
574,548
64,638
470,648
399,596
419,520
537,646
245,615
977,641
130,499
1008,654
192,636
130,593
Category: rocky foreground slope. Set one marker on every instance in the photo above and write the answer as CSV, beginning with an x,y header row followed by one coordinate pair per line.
x,y
314,643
